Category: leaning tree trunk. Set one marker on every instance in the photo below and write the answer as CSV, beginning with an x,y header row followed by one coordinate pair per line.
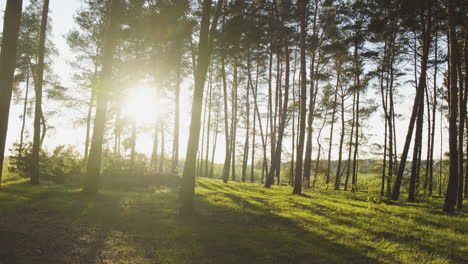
x,y
95,152
415,166
38,89
11,26
419,92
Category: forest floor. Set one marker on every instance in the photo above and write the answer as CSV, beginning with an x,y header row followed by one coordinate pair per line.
x,y
235,223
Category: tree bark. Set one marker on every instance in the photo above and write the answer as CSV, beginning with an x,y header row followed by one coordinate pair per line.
x,y
300,147
419,92
35,170
91,180
206,38
451,196
11,26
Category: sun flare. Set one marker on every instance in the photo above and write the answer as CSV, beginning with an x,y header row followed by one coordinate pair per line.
x,y
140,104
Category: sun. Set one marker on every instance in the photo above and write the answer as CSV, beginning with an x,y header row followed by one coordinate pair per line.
x,y
140,103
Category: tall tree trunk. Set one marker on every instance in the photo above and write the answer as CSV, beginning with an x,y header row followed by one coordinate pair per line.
x,y
175,143
415,166
38,89
234,119
427,21
451,197
340,148
350,147
461,124
88,123
358,94
310,118
11,26
434,110
246,144
300,147
227,156
252,166
161,156
214,147
465,55
206,38
95,153
208,124
319,151
133,147
23,117
154,155
203,125
275,163
330,143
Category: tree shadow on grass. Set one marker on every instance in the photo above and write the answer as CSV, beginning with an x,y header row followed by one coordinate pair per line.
x,y
54,225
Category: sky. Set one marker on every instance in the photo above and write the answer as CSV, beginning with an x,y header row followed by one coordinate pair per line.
x,y
66,132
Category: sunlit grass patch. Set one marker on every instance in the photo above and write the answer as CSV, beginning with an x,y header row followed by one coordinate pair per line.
x,y
234,223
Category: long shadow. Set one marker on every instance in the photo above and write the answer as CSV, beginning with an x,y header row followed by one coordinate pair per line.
x,y
54,225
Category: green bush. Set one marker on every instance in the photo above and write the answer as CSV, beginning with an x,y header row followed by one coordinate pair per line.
x,y
60,166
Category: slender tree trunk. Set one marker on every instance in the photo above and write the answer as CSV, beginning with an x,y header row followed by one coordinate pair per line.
x,y
434,110
95,153
340,149
275,163
175,144
201,154
356,141
252,166
350,148
310,118
461,125
161,157
330,143
38,89
23,117
419,92
415,166
234,120
133,148
154,155
246,144
88,123
319,151
208,125
214,147
227,160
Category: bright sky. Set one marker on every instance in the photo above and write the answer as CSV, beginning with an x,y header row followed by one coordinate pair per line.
x,y
62,12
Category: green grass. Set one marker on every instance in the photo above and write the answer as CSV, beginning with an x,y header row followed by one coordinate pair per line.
x,y
235,223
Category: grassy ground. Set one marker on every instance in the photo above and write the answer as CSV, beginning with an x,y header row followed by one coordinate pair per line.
x,y
235,223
